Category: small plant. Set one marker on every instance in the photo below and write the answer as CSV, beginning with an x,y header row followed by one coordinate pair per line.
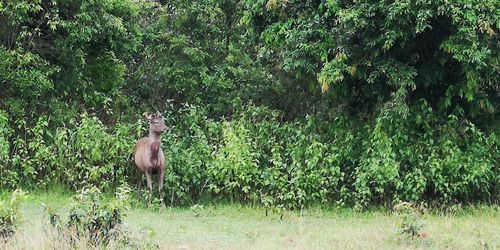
x,y
196,209
271,207
54,217
10,215
156,204
410,229
94,218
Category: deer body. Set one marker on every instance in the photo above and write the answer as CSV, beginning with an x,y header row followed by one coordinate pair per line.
x,y
149,157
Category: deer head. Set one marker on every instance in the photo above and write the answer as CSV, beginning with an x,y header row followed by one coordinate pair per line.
x,y
156,122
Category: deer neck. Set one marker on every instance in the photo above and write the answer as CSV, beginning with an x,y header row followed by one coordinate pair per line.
x,y
154,147
154,136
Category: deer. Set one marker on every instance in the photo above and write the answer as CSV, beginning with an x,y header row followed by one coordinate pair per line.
x,y
148,156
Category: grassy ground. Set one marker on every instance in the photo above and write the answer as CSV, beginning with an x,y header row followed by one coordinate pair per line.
x,y
243,227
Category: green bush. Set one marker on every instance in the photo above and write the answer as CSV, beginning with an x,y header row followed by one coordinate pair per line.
x,y
81,153
255,157
92,217
425,158
188,153
411,225
234,168
7,176
10,215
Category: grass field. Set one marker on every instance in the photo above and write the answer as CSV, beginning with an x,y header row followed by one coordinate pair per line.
x,y
243,227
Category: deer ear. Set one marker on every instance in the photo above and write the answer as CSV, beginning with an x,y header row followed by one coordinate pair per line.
x,y
147,115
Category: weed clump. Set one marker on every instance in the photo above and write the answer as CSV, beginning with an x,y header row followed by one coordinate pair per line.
x,y
410,227
94,220
10,215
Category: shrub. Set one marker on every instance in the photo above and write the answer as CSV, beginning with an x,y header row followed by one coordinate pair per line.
x,y
423,158
188,153
8,177
257,157
10,215
78,154
234,168
93,218
411,224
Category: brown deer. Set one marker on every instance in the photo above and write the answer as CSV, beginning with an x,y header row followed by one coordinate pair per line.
x,y
148,156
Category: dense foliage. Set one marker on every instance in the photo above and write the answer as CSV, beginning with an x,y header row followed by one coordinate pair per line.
x,y
272,102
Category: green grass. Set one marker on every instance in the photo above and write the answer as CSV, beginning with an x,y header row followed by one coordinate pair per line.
x,y
233,226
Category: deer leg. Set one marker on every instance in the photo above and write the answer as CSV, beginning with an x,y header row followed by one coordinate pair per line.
x,y
150,186
139,185
160,184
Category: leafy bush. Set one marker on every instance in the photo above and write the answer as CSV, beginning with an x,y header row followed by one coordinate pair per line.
x,y
410,228
411,224
423,157
7,176
10,214
188,152
76,155
234,167
93,218
254,157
